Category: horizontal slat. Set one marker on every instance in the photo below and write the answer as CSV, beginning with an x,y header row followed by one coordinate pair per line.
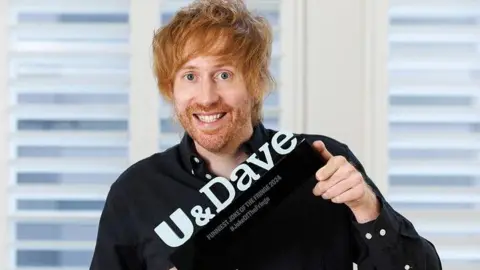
x,y
53,245
74,60
75,84
69,71
450,227
70,6
434,194
59,192
422,167
434,141
467,253
456,241
62,87
434,90
69,165
68,47
55,216
443,34
434,63
434,8
69,112
63,31
446,217
113,139
434,114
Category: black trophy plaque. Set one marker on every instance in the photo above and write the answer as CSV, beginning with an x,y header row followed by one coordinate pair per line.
x,y
219,244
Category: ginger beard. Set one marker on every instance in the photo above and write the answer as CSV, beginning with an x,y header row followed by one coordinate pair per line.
x,y
224,133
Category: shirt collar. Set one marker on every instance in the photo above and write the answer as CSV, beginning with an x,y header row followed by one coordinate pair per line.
x,y
193,162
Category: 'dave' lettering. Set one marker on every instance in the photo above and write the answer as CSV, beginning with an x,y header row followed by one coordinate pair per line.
x,y
243,175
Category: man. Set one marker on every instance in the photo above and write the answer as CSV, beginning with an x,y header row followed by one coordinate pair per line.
x,y
212,63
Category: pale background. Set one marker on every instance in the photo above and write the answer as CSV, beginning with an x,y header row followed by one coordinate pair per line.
x,y
398,81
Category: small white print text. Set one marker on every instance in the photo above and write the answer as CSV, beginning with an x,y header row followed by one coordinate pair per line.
x,y
241,179
247,210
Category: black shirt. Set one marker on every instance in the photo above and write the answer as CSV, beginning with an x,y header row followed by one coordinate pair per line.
x,y
324,235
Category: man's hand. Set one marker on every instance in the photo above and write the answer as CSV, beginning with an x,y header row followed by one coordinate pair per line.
x,y
340,182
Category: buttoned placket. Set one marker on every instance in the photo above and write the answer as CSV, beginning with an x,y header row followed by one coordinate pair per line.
x,y
197,166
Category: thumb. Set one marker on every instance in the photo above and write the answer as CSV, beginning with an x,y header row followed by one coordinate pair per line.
x,y
322,149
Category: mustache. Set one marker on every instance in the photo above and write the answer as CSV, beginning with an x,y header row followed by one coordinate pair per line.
x,y
215,107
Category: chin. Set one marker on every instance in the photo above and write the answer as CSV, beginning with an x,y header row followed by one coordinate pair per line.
x,y
212,142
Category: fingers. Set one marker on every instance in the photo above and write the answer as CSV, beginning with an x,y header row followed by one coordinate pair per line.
x,y
336,170
330,168
351,195
345,185
320,147
338,181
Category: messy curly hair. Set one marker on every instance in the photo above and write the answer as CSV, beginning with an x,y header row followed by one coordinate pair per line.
x,y
222,28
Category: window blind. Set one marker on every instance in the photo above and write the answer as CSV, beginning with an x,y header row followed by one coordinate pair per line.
x,y
170,130
69,136
434,177
69,81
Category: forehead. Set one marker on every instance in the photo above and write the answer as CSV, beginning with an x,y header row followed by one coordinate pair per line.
x,y
214,48
206,62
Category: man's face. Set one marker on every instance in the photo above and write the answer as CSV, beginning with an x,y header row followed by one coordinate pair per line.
x,y
212,103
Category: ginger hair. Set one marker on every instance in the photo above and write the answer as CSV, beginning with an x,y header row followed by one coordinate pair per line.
x,y
222,28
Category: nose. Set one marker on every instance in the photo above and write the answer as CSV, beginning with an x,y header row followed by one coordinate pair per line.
x,y
207,94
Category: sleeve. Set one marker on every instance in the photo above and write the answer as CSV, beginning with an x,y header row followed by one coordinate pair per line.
x,y
115,248
390,241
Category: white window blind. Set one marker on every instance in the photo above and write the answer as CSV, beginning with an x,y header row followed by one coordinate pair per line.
x,y
170,131
435,123
69,88
74,115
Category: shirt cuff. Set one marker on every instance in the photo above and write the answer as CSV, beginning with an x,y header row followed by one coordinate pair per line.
x,y
383,232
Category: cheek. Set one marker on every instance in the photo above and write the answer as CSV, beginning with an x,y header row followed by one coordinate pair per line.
x,y
180,103
235,101
180,98
237,98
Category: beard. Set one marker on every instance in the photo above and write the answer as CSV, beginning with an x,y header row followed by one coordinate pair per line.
x,y
228,135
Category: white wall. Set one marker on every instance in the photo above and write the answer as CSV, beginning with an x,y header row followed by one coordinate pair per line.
x,y
346,78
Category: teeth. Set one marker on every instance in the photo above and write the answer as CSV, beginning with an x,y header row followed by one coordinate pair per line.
x,y
209,118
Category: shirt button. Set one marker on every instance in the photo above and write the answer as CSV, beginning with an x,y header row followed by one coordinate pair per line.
x,y
208,176
383,232
368,236
407,267
193,172
196,160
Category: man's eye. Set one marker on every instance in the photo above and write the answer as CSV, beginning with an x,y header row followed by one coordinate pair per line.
x,y
190,77
224,75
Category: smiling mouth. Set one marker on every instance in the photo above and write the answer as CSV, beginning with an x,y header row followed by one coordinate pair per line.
x,y
209,118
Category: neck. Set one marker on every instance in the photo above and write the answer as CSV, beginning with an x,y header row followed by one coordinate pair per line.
x,y
223,162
